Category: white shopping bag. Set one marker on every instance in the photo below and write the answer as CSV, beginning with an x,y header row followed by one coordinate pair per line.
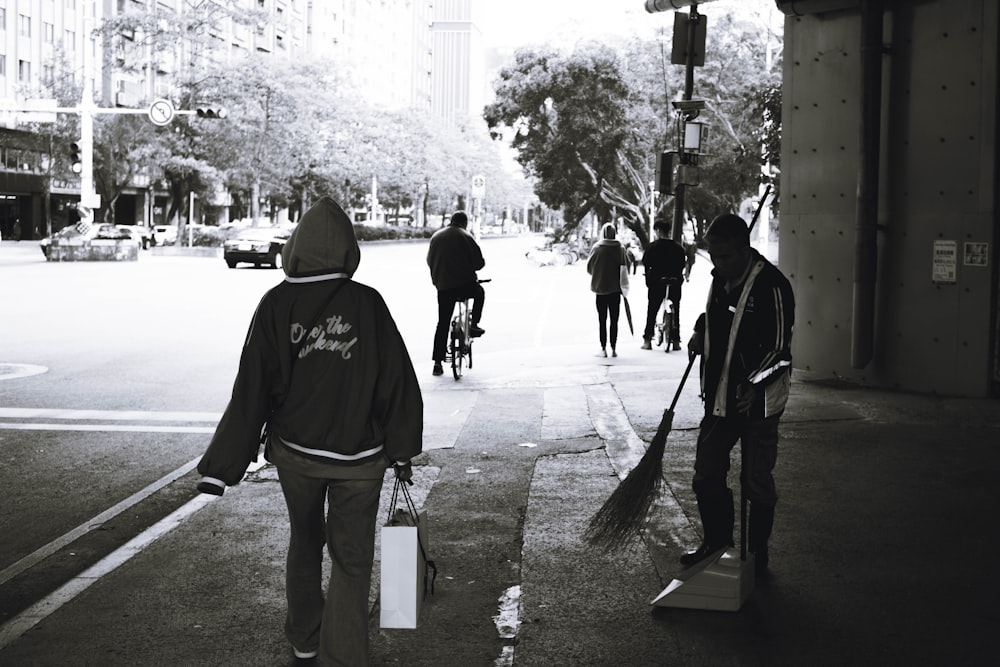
x,y
405,571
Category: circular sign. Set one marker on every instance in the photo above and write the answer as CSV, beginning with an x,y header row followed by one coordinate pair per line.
x,y
478,185
161,112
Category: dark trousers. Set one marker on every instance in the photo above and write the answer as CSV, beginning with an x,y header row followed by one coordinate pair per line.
x,y
447,299
335,624
608,304
716,439
657,293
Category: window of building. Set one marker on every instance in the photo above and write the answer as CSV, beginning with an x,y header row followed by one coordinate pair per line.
x,y
24,25
3,18
49,32
69,40
23,71
3,65
48,73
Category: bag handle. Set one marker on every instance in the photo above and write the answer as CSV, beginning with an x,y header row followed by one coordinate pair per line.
x,y
411,509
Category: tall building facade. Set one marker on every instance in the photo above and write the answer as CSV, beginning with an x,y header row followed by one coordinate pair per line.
x,y
425,55
458,79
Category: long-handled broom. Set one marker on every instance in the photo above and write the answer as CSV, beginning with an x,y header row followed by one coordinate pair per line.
x,y
624,512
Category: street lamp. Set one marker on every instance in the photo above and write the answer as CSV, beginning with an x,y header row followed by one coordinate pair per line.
x,y
654,6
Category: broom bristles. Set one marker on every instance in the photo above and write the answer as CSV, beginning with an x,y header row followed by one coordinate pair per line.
x,y
623,514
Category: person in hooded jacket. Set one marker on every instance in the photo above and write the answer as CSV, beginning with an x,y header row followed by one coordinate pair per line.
x,y
604,266
325,367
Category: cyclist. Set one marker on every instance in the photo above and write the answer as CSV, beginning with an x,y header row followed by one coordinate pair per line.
x,y
664,261
453,258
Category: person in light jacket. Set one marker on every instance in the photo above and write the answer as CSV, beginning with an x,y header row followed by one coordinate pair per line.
x,y
325,367
604,266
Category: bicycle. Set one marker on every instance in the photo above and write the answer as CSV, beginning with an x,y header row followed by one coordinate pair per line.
x,y
460,345
665,324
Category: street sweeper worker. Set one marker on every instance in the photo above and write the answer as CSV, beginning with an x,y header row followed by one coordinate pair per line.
x,y
744,338
325,367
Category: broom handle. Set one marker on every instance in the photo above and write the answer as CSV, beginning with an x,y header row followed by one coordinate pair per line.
x,y
760,205
684,378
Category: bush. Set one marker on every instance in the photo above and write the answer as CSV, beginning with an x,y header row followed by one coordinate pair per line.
x,y
391,233
209,237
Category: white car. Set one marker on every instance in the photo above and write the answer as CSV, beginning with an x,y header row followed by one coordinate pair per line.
x,y
164,235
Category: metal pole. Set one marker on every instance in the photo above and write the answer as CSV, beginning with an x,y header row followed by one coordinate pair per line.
x,y
87,118
693,18
866,230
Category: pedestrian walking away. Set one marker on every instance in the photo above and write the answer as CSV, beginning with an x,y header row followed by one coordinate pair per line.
x,y
453,258
324,373
607,258
664,261
744,337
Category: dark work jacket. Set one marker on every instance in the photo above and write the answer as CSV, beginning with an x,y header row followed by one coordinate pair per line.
x,y
747,336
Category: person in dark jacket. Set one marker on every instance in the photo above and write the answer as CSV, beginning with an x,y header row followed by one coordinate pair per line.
x,y
664,261
325,367
744,338
604,266
453,258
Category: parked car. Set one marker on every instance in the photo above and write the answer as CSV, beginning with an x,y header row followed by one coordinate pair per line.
x,y
104,232
164,235
139,233
257,246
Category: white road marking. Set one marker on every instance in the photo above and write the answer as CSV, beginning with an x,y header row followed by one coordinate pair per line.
x,y
34,614
14,371
55,545
13,426
112,415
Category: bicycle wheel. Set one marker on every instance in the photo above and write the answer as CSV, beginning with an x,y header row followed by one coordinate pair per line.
x,y
663,329
468,352
456,352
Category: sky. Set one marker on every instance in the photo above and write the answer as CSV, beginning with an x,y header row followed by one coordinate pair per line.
x,y
522,22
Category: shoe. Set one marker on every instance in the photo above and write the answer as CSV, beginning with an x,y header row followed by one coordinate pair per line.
x,y
303,655
659,339
646,344
677,346
438,370
699,554
613,353
475,331
760,571
603,353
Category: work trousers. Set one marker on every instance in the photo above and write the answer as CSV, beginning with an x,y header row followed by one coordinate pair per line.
x,y
716,439
338,626
447,298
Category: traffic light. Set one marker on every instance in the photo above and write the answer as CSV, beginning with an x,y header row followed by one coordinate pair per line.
x,y
211,112
76,156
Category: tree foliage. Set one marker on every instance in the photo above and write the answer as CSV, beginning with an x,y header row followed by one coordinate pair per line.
x,y
589,124
295,130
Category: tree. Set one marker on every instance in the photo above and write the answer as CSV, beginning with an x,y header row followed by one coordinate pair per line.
x,y
588,125
567,116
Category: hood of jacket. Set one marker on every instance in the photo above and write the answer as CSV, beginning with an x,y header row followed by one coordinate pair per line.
x,y
323,242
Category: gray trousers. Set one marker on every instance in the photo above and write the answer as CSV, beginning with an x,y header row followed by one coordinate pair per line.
x,y
336,626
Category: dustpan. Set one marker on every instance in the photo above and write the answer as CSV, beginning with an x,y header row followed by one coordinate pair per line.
x,y
721,582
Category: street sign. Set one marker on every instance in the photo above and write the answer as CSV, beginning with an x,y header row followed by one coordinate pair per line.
x,y
478,186
161,112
